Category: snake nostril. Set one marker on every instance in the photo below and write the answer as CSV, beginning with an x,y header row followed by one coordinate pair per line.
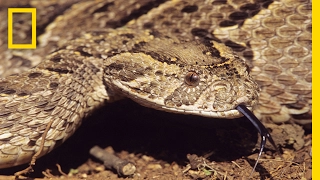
x,y
192,78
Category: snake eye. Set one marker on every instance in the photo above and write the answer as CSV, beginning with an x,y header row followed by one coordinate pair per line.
x,y
192,79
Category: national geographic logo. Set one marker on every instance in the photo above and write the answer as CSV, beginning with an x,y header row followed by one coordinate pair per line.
x,y
31,45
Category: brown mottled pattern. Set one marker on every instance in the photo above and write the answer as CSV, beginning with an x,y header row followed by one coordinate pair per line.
x,y
99,51
273,36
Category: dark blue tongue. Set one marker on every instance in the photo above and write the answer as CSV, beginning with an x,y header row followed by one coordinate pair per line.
x,y
260,127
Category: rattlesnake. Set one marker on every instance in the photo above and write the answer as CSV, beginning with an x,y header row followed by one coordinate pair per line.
x,y
167,55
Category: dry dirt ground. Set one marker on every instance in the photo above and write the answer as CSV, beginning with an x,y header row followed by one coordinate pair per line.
x,y
158,143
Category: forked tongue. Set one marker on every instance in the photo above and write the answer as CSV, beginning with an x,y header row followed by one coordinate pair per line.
x,y
260,127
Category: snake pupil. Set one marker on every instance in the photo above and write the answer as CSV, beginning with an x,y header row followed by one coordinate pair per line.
x,y
192,79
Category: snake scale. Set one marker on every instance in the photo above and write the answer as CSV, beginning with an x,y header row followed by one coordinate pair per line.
x,y
191,57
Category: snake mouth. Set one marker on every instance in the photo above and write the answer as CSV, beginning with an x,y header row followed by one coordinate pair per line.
x,y
224,109
227,114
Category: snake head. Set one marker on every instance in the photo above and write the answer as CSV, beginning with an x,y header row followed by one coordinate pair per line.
x,y
205,79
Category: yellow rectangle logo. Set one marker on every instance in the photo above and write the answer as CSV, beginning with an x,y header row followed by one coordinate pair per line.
x,y
33,12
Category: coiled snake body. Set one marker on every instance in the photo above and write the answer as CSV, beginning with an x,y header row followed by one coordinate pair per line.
x,y
166,55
